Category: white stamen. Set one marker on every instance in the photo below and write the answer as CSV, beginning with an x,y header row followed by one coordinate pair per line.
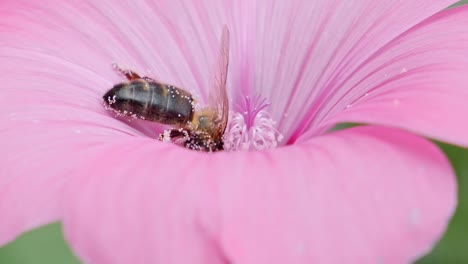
x,y
262,135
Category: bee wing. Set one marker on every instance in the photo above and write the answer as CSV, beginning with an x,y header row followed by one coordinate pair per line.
x,y
218,94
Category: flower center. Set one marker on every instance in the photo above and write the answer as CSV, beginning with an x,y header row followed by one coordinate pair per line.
x,y
251,128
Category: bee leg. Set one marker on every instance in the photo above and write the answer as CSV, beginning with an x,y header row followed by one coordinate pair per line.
x,y
148,79
175,135
130,75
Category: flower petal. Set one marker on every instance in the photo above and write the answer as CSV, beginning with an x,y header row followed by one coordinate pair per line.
x,y
362,195
56,61
143,202
306,49
34,170
417,82
174,41
275,52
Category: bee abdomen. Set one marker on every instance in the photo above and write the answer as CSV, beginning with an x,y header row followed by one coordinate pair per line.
x,y
151,101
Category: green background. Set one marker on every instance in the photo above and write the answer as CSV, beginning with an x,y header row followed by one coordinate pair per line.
x,y
46,244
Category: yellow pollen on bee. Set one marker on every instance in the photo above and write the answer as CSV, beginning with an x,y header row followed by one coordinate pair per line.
x,y
146,86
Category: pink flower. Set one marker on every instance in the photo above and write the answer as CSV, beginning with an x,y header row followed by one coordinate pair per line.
x,y
369,194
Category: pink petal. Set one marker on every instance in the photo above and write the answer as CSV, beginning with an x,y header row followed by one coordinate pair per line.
x,y
363,195
290,52
140,35
154,201
56,61
38,157
170,185
305,50
417,82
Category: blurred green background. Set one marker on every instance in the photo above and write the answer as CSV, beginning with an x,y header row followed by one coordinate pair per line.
x,y
46,245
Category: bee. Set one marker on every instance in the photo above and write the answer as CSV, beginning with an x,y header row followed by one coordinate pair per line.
x,y
151,100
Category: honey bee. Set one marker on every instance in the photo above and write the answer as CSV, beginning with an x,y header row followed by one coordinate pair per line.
x,y
151,100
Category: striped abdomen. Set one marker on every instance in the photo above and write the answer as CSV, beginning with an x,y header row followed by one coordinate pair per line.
x,y
152,101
